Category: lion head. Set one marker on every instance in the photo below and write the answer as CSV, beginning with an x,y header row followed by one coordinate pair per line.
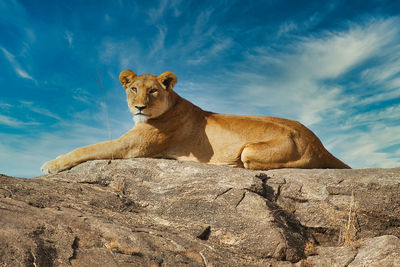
x,y
147,95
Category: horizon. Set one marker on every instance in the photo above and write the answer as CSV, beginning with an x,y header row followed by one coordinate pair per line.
x,y
334,67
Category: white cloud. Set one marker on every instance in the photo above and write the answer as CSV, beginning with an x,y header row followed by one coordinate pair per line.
x,y
292,81
164,6
24,107
384,72
82,95
23,74
5,105
287,27
126,53
221,45
370,118
17,68
39,110
366,148
202,21
382,80
334,53
201,41
202,56
158,43
69,36
198,42
379,96
156,13
13,122
8,55
291,27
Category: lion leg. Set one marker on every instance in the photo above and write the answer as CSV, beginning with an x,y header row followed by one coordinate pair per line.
x,y
273,154
104,150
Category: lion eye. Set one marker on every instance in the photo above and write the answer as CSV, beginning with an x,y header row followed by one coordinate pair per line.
x,y
134,89
153,91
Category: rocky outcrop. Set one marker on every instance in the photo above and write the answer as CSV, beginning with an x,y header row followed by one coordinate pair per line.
x,y
156,212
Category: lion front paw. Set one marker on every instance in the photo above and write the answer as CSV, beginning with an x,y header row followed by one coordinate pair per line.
x,y
50,167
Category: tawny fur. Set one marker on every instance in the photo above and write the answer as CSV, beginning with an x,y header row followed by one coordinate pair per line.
x,y
172,127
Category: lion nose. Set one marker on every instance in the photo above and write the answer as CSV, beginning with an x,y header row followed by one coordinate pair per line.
x,y
140,108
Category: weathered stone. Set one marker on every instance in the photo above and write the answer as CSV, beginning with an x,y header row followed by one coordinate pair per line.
x,y
332,256
145,212
378,251
321,201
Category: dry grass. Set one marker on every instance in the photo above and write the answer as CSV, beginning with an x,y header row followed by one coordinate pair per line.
x,y
100,85
119,185
349,237
310,249
114,246
306,263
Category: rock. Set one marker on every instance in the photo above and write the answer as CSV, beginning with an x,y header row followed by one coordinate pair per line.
x,y
332,256
322,199
378,251
157,212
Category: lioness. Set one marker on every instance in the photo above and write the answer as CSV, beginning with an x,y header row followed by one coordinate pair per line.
x,y
169,126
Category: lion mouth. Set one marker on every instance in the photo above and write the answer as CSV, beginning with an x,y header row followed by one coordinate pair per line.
x,y
140,117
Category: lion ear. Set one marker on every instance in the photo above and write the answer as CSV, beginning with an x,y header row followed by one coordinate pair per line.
x,y
168,79
126,77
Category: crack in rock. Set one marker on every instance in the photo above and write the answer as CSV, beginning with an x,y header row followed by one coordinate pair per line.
x,y
241,199
224,192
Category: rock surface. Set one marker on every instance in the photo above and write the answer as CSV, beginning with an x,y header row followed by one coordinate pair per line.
x,y
156,212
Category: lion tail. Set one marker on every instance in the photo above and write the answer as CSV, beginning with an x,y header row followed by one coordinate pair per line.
x,y
332,162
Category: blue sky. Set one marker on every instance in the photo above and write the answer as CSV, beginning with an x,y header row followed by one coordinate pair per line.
x,y
333,65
